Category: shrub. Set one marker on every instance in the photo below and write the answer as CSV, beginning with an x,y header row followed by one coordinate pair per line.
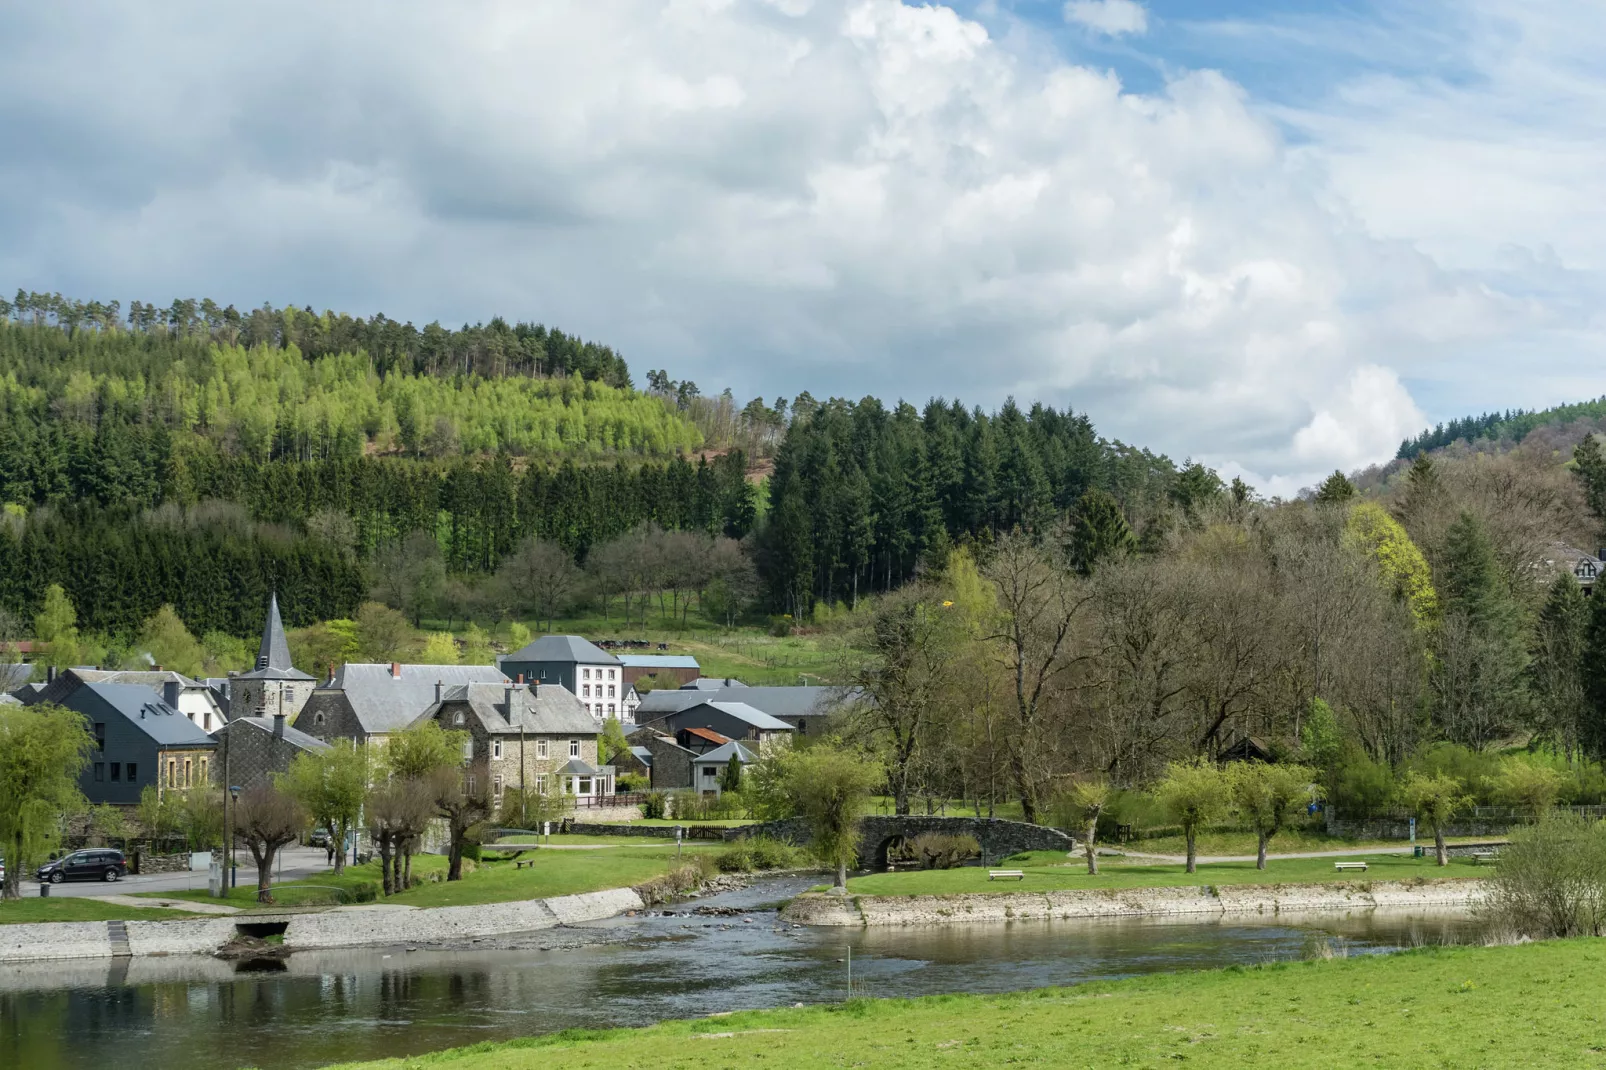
x,y
759,853
471,851
940,850
630,783
1551,880
655,806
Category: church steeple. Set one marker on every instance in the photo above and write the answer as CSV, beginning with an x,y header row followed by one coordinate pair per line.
x,y
274,653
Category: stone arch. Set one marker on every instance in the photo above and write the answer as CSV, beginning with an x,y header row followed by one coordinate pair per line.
x,y
881,857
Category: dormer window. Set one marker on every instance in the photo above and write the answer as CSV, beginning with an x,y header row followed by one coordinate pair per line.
x,y
458,718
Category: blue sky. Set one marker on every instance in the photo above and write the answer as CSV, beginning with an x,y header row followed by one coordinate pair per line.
x,y
1278,237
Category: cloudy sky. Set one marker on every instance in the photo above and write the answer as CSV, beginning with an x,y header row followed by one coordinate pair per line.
x,y
1276,236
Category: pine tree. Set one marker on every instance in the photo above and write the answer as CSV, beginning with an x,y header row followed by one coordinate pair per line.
x,y
1556,672
1335,490
1099,531
1479,673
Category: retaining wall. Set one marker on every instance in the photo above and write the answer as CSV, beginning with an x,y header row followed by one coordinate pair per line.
x,y
867,910
998,838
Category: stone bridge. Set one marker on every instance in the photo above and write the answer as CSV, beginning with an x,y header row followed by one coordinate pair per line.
x,y
879,834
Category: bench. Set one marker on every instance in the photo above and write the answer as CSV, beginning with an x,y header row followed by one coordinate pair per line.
x,y
1005,875
1480,857
1343,866
522,862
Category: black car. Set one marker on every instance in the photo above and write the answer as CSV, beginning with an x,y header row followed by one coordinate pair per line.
x,y
91,864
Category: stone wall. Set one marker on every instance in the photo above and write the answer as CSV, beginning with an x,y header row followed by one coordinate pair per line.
x,y
998,838
148,864
577,827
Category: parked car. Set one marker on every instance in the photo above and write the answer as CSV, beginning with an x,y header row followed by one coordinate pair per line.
x,y
91,864
318,838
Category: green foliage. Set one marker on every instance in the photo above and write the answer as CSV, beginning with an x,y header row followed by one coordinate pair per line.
x,y
476,646
382,634
1551,881
1400,564
830,788
1321,743
200,815
1435,799
1266,795
527,808
940,850
419,752
331,786
655,807
1530,785
159,813
612,741
1589,465
43,748
1478,675
1099,531
170,644
439,649
108,822
1358,785
730,778
1336,489
1194,792
1557,670
759,853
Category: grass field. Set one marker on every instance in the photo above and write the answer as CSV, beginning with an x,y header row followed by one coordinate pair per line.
x,y
1050,871
1289,841
37,909
555,873
1525,1006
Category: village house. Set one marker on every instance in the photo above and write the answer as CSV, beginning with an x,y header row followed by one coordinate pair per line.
x,y
369,702
275,685
251,749
805,708
730,720
587,671
666,670
190,697
139,740
524,736
708,767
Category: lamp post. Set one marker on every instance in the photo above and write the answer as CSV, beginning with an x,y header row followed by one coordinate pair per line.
x,y
234,795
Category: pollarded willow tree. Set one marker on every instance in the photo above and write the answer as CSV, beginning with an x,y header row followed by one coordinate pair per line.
x,y
43,748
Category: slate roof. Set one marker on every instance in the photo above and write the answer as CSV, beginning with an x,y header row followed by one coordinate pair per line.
x,y
547,710
711,683
752,716
576,767
643,755
385,704
658,661
722,755
9,700
273,654
774,701
291,735
150,714
564,648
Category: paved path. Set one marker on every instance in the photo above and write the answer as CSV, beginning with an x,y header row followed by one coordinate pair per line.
x,y
171,904
297,863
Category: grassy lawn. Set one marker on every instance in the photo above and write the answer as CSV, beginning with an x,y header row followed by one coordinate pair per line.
x,y
1004,809
560,840
669,822
38,909
1288,841
1532,1005
1049,871
555,873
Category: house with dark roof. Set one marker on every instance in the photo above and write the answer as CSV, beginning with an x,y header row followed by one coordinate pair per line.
x,y
139,740
666,669
706,768
668,763
799,707
534,736
367,702
275,685
589,672
250,749
729,720
190,697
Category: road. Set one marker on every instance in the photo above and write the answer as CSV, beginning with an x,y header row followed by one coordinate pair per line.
x,y
293,864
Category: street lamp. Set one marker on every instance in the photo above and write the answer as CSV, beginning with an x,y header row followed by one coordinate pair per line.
x,y
234,794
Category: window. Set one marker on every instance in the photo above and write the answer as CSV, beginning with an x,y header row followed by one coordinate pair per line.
x,y
585,674
610,709
203,770
172,773
496,750
117,771
471,783
613,692
457,718
187,780
612,675
100,771
100,736
585,692
496,786
585,785
540,748
133,772
709,772
289,694
317,718
574,748
540,784
208,719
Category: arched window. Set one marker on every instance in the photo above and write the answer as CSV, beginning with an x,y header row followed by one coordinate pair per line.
x,y
317,718
457,718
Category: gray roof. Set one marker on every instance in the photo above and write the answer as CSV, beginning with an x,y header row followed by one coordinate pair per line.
x,y
274,652
564,648
151,678
291,735
9,700
711,683
658,661
150,714
643,755
576,767
545,710
722,755
384,703
775,701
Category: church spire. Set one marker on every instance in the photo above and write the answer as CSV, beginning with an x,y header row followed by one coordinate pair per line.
x,y
274,653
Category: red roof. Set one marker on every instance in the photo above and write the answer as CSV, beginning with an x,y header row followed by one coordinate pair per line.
x,y
708,734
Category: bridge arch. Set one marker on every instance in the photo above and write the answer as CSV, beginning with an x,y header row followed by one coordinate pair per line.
x,y
879,833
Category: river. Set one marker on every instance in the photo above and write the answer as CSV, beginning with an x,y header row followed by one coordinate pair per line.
x,y
324,1007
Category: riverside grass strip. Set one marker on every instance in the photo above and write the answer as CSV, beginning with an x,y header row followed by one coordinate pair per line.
x,y
35,910
1523,1006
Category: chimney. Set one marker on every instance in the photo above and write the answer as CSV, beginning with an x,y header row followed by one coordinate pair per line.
x,y
439,687
521,675
1601,553
156,668
50,674
278,726
170,692
507,699
395,670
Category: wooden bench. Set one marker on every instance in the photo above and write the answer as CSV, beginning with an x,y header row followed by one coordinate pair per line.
x,y
1480,857
522,862
1343,866
1005,875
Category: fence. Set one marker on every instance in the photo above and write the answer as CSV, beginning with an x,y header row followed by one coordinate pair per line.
x,y
607,802
1476,821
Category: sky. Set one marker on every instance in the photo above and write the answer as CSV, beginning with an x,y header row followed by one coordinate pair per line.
x,y
1274,237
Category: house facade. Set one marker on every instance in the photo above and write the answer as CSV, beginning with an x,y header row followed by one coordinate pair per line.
x,y
707,768
730,720
524,736
251,749
668,763
804,708
368,702
587,671
139,740
190,697
667,670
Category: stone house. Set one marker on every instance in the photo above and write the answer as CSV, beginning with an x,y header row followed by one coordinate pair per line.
x,y
531,736
587,671
731,720
251,749
805,708
668,763
275,686
368,702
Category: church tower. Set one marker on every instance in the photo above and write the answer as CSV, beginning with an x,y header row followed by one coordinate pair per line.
x,y
274,686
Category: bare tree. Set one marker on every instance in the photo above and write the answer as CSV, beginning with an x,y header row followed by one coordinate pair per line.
x,y
397,812
464,805
541,577
267,818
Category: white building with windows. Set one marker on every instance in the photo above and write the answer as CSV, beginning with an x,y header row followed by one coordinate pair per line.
x,y
582,668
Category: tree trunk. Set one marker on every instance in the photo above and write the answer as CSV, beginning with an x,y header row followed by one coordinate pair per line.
x,y
13,885
454,868
1088,845
1193,854
337,835
1438,845
387,872
407,866
1260,855
264,861
842,874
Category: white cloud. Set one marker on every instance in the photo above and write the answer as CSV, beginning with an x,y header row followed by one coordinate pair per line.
x,y
844,196
1113,17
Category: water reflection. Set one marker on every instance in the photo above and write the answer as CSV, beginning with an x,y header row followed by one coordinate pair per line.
x,y
330,1006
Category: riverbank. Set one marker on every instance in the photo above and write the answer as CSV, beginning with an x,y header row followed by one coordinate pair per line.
x,y
818,908
1529,1005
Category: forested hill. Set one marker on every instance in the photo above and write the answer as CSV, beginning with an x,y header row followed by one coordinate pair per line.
x,y
1512,426
199,457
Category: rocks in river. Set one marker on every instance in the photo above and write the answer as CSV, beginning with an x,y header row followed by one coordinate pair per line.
x,y
719,912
